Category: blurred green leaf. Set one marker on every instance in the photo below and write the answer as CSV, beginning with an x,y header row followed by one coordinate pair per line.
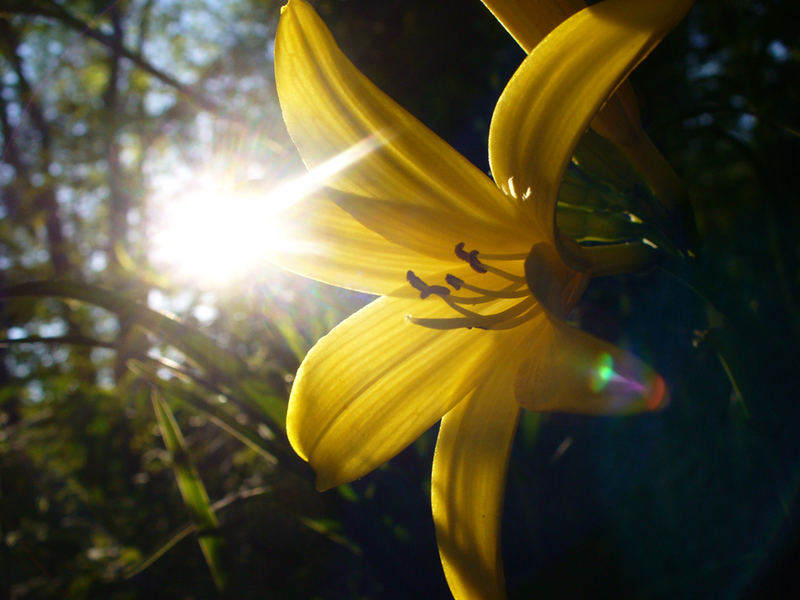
x,y
292,335
223,366
331,529
260,394
187,339
189,529
190,394
192,490
732,352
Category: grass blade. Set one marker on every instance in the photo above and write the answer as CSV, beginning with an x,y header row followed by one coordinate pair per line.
x,y
176,537
215,412
192,490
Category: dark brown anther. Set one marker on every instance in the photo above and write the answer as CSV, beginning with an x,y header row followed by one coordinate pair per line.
x,y
470,257
424,289
454,282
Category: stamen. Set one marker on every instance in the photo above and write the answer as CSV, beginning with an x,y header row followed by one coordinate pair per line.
x,y
510,317
518,256
505,274
525,309
523,318
451,323
502,315
454,282
424,289
512,291
469,299
471,257
457,308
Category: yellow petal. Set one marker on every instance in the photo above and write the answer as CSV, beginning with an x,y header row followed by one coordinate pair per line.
x,y
558,89
377,382
430,231
468,483
329,107
327,244
567,370
529,22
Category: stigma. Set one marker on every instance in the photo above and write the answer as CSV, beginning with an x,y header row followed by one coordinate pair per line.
x,y
503,302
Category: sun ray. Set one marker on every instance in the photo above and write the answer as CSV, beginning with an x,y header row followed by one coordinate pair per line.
x,y
215,227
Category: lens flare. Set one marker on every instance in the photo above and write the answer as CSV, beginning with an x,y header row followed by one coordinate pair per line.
x,y
628,385
214,229
603,373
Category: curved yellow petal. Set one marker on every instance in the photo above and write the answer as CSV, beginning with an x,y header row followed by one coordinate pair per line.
x,y
376,382
567,370
468,483
558,89
530,21
326,243
329,107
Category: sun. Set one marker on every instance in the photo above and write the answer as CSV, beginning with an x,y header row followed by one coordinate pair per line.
x,y
213,228
214,233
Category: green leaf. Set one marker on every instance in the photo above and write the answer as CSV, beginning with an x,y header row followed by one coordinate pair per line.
x,y
187,339
260,394
222,366
600,159
291,335
176,537
192,490
733,354
189,393
594,225
330,528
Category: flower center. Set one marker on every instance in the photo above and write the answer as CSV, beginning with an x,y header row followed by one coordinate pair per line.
x,y
512,295
555,284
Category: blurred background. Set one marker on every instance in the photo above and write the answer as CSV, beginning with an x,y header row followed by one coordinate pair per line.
x,y
148,349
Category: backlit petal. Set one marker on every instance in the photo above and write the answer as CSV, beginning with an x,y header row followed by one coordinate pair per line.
x,y
468,483
558,89
376,382
567,370
327,244
430,231
529,21
330,107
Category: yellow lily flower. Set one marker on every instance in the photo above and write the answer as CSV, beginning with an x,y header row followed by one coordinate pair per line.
x,y
475,280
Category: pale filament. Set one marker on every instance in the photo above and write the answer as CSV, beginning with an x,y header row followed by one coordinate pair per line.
x,y
450,299
518,256
515,290
505,275
472,319
478,266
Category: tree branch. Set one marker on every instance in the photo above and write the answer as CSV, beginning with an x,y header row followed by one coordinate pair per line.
x,y
76,23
